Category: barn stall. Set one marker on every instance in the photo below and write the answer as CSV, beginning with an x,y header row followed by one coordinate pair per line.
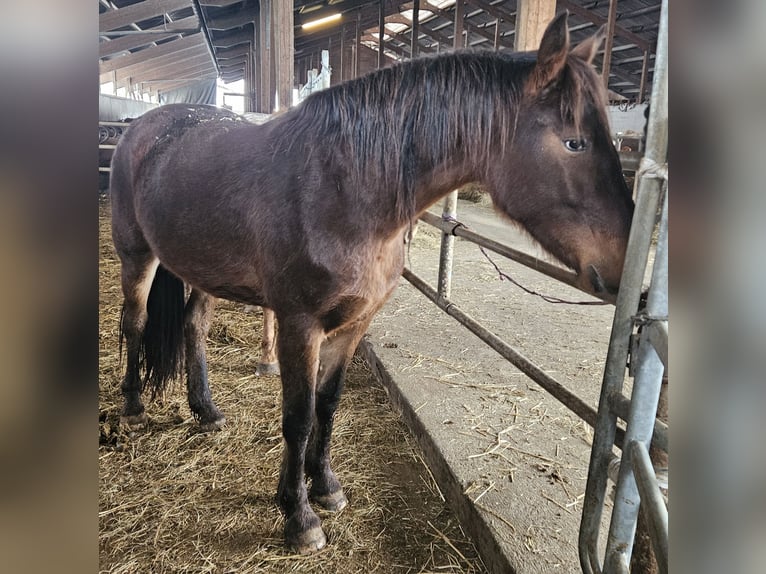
x,y
540,476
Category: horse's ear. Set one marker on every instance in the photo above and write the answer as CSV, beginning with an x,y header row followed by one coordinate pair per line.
x,y
552,55
586,50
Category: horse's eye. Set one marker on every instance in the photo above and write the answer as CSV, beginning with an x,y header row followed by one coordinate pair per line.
x,y
576,144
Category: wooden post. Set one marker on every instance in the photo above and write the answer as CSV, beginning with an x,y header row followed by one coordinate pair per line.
x,y
497,33
264,58
532,17
342,47
609,42
458,37
415,47
284,52
381,31
358,43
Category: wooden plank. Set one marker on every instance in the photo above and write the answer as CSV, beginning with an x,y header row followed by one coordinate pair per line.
x,y
139,12
118,62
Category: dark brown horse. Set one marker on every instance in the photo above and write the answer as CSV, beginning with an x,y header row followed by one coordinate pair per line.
x,y
306,215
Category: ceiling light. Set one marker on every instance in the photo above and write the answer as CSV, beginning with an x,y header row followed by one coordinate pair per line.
x,y
321,21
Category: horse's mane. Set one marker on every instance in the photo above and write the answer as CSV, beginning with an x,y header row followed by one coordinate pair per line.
x,y
419,112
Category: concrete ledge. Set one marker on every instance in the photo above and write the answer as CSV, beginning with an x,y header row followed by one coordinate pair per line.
x,y
474,521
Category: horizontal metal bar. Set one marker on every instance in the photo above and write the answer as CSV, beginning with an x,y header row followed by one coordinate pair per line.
x,y
104,169
559,392
460,230
619,404
107,146
657,335
121,124
652,503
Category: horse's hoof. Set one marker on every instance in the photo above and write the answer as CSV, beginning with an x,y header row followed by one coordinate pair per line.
x,y
333,502
311,540
212,426
130,423
264,369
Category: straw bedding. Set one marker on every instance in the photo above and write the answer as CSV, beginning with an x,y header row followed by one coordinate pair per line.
x,y
172,499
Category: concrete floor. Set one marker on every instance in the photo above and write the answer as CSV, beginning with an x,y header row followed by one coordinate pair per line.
x,y
510,459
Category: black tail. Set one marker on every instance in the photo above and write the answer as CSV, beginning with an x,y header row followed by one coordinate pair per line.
x,y
162,345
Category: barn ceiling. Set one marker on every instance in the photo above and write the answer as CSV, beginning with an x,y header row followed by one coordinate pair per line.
x,y
151,45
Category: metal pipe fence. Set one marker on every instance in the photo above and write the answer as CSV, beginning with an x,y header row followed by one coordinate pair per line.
x,y
639,411
649,363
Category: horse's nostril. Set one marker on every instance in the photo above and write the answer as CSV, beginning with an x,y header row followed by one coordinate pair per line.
x,y
595,280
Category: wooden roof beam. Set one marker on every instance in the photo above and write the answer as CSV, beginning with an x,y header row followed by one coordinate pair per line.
x,y
133,41
139,12
586,14
167,48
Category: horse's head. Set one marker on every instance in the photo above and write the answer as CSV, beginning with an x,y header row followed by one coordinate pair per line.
x,y
560,176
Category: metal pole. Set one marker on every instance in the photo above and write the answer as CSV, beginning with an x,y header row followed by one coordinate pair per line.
x,y
647,200
643,406
446,251
653,505
497,33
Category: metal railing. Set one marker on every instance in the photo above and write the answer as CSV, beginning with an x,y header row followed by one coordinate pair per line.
x,y
636,482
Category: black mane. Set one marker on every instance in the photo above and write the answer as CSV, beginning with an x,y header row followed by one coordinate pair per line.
x,y
423,111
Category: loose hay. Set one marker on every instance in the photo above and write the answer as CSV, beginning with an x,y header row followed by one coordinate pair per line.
x,y
175,500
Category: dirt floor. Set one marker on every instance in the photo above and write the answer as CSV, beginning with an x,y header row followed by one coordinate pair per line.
x,y
174,500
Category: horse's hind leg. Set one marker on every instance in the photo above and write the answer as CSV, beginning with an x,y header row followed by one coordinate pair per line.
x,y
198,314
137,275
335,355
268,364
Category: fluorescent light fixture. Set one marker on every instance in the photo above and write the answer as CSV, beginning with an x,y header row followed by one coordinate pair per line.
x,y
321,21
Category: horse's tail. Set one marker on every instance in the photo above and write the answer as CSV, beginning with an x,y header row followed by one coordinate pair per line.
x,y
162,345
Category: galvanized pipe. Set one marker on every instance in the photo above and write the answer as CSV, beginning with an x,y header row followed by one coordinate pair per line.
x,y
456,228
620,406
447,248
643,405
652,503
647,201
566,397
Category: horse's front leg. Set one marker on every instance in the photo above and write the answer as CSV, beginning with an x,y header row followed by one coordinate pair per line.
x,y
268,364
198,314
299,340
335,355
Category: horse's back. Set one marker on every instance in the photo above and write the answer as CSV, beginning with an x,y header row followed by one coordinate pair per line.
x,y
146,155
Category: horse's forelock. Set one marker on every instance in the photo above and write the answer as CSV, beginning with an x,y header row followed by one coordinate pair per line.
x,y
580,85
